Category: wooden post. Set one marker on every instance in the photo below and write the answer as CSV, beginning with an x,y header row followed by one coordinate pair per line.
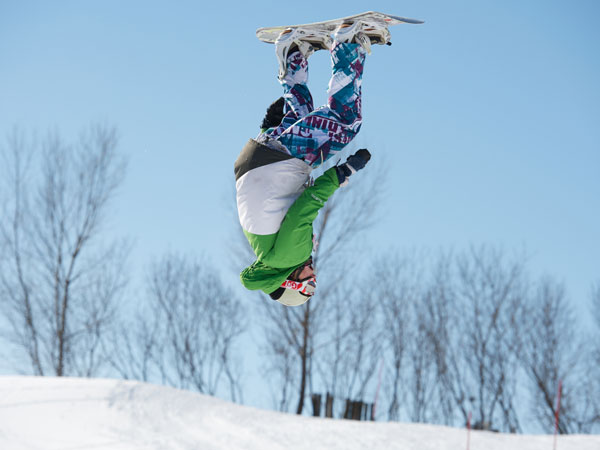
x,y
316,402
348,410
356,410
329,406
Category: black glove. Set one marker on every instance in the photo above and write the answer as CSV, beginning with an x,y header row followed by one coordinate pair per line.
x,y
352,164
274,114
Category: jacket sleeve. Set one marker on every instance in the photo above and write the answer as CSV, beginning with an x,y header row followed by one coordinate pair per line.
x,y
294,243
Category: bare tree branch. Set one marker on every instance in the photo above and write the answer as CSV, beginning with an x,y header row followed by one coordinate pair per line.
x,y
189,333
57,259
554,352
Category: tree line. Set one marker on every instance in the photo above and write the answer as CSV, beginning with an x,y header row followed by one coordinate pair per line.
x,y
435,336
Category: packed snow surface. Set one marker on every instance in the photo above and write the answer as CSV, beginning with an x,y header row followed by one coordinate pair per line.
x,y
73,413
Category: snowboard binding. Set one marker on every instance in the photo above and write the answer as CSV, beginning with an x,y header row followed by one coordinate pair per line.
x,y
305,40
365,29
363,33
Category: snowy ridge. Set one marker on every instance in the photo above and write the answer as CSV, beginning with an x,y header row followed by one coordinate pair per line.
x,y
72,413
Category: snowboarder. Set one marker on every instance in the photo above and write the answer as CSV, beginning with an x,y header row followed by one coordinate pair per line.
x,y
276,206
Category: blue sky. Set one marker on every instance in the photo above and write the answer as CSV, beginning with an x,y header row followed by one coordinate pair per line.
x,y
488,116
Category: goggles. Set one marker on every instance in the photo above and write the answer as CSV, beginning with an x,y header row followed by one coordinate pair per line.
x,y
305,287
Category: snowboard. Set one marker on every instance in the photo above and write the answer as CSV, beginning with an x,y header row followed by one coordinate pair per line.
x,y
270,34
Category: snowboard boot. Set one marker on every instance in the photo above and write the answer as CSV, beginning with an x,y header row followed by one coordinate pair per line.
x,y
363,33
306,41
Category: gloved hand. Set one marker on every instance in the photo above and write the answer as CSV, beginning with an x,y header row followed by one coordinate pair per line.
x,y
352,164
274,114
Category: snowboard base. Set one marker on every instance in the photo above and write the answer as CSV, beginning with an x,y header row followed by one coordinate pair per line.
x,y
270,34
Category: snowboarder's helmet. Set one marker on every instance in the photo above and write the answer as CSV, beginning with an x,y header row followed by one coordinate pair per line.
x,y
295,292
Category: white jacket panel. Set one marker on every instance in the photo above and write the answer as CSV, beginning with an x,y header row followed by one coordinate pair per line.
x,y
264,194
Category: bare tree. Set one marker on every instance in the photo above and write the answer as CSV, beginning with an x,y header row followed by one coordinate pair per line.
x,y
418,322
422,370
131,348
281,348
491,297
443,337
552,353
475,304
395,285
330,366
188,335
304,330
352,345
60,280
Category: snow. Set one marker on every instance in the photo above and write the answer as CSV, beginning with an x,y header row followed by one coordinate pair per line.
x,y
73,413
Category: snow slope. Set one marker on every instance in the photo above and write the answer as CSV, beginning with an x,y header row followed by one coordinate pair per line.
x,y
72,413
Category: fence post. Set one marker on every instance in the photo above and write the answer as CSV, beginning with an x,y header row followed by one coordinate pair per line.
x,y
316,403
329,406
348,410
356,410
